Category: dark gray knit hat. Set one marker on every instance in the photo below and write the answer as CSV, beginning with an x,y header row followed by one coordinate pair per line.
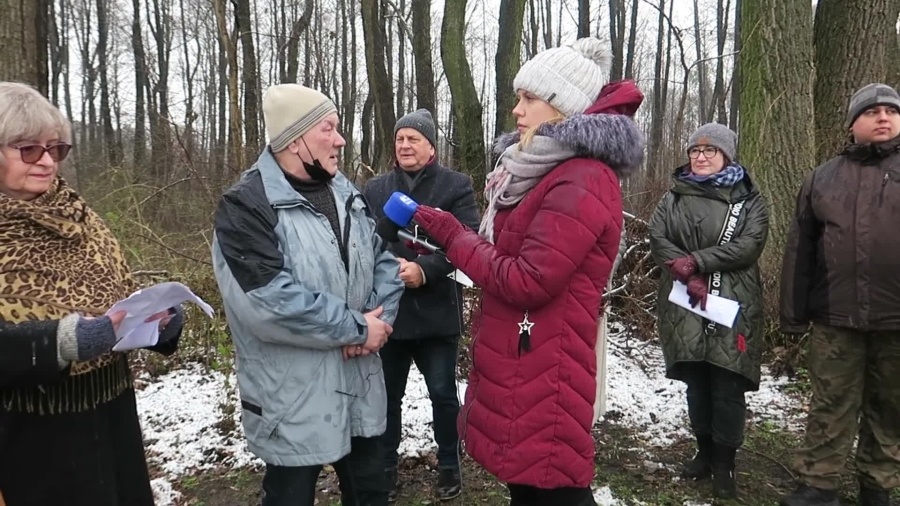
x,y
421,121
717,135
870,96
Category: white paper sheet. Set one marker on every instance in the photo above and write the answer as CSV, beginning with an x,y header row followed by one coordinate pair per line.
x,y
134,332
718,309
461,278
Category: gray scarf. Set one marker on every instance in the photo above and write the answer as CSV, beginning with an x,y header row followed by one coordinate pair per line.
x,y
519,169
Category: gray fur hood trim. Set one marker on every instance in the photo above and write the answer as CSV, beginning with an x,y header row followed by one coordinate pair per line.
x,y
613,139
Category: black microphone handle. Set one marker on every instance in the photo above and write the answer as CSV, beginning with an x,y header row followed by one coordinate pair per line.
x,y
403,234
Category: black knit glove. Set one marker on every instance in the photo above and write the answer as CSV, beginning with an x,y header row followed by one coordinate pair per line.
x,y
82,339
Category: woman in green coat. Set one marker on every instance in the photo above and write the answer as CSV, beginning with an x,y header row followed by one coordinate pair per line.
x,y
708,232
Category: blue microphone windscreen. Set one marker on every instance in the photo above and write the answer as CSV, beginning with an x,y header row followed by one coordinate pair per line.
x,y
400,209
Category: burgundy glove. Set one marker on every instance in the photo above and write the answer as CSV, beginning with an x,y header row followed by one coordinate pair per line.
x,y
441,226
682,268
417,248
697,291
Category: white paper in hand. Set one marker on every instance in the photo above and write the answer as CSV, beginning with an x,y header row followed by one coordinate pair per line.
x,y
134,332
718,309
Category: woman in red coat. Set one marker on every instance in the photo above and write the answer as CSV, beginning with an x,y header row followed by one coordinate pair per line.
x,y
542,256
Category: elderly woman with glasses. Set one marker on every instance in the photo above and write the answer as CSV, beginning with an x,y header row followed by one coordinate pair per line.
x,y
69,429
707,234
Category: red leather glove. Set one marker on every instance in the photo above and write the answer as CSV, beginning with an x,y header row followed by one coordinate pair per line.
x,y
682,268
697,290
416,248
441,226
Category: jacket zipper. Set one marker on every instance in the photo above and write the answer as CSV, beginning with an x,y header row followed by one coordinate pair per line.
x,y
884,182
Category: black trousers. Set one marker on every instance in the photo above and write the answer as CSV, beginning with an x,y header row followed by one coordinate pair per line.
x,y
716,403
360,474
92,458
436,360
525,495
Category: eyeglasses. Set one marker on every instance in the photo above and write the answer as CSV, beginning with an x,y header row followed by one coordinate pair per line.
x,y
708,152
32,153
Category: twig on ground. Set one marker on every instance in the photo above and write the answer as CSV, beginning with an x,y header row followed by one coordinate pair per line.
x,y
772,459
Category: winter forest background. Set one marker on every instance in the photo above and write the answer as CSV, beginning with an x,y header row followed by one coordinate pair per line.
x,y
165,96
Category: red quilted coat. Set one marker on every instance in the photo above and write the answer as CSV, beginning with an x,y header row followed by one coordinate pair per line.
x,y
527,415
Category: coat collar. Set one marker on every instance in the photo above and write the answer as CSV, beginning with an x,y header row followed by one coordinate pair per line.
x,y
279,191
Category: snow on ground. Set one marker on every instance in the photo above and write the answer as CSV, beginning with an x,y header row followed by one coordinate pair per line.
x,y
182,416
642,397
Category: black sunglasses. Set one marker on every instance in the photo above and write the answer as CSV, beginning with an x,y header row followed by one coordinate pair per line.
x,y
31,153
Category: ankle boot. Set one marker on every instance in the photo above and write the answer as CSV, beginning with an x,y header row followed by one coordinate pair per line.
x,y
872,496
806,495
724,486
700,467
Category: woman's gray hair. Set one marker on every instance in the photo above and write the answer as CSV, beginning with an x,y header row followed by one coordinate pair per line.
x,y
26,115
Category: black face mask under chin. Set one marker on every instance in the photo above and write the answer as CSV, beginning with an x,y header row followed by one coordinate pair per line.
x,y
315,169
317,172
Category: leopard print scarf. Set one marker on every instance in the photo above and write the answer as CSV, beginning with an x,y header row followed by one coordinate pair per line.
x,y
58,257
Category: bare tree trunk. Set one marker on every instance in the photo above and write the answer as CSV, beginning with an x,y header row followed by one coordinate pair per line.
x,y
141,83
508,61
703,87
846,62
467,107
56,43
401,61
249,75
660,88
632,40
617,38
379,82
368,122
425,90
348,109
160,131
89,72
235,149
734,119
721,34
223,96
535,30
548,24
584,18
190,71
23,37
111,148
777,108
298,28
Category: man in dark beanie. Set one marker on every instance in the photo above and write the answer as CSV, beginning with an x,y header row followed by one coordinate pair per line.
x,y
841,273
429,321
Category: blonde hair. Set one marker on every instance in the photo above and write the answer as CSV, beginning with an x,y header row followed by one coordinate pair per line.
x,y
26,115
528,135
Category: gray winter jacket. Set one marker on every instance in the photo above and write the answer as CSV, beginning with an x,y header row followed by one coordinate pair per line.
x,y
291,305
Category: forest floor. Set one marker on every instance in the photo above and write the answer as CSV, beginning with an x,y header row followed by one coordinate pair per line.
x,y
198,455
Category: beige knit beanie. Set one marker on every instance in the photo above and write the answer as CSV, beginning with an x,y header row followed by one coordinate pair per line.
x,y
291,110
569,77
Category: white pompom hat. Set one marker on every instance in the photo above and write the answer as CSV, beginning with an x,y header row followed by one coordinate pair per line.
x,y
569,77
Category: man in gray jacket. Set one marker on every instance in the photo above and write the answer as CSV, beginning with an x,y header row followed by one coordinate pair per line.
x,y
309,293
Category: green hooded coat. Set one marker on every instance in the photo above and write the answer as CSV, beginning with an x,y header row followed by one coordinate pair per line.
x,y
691,219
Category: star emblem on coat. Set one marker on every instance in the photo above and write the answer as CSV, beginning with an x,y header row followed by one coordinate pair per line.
x,y
525,325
